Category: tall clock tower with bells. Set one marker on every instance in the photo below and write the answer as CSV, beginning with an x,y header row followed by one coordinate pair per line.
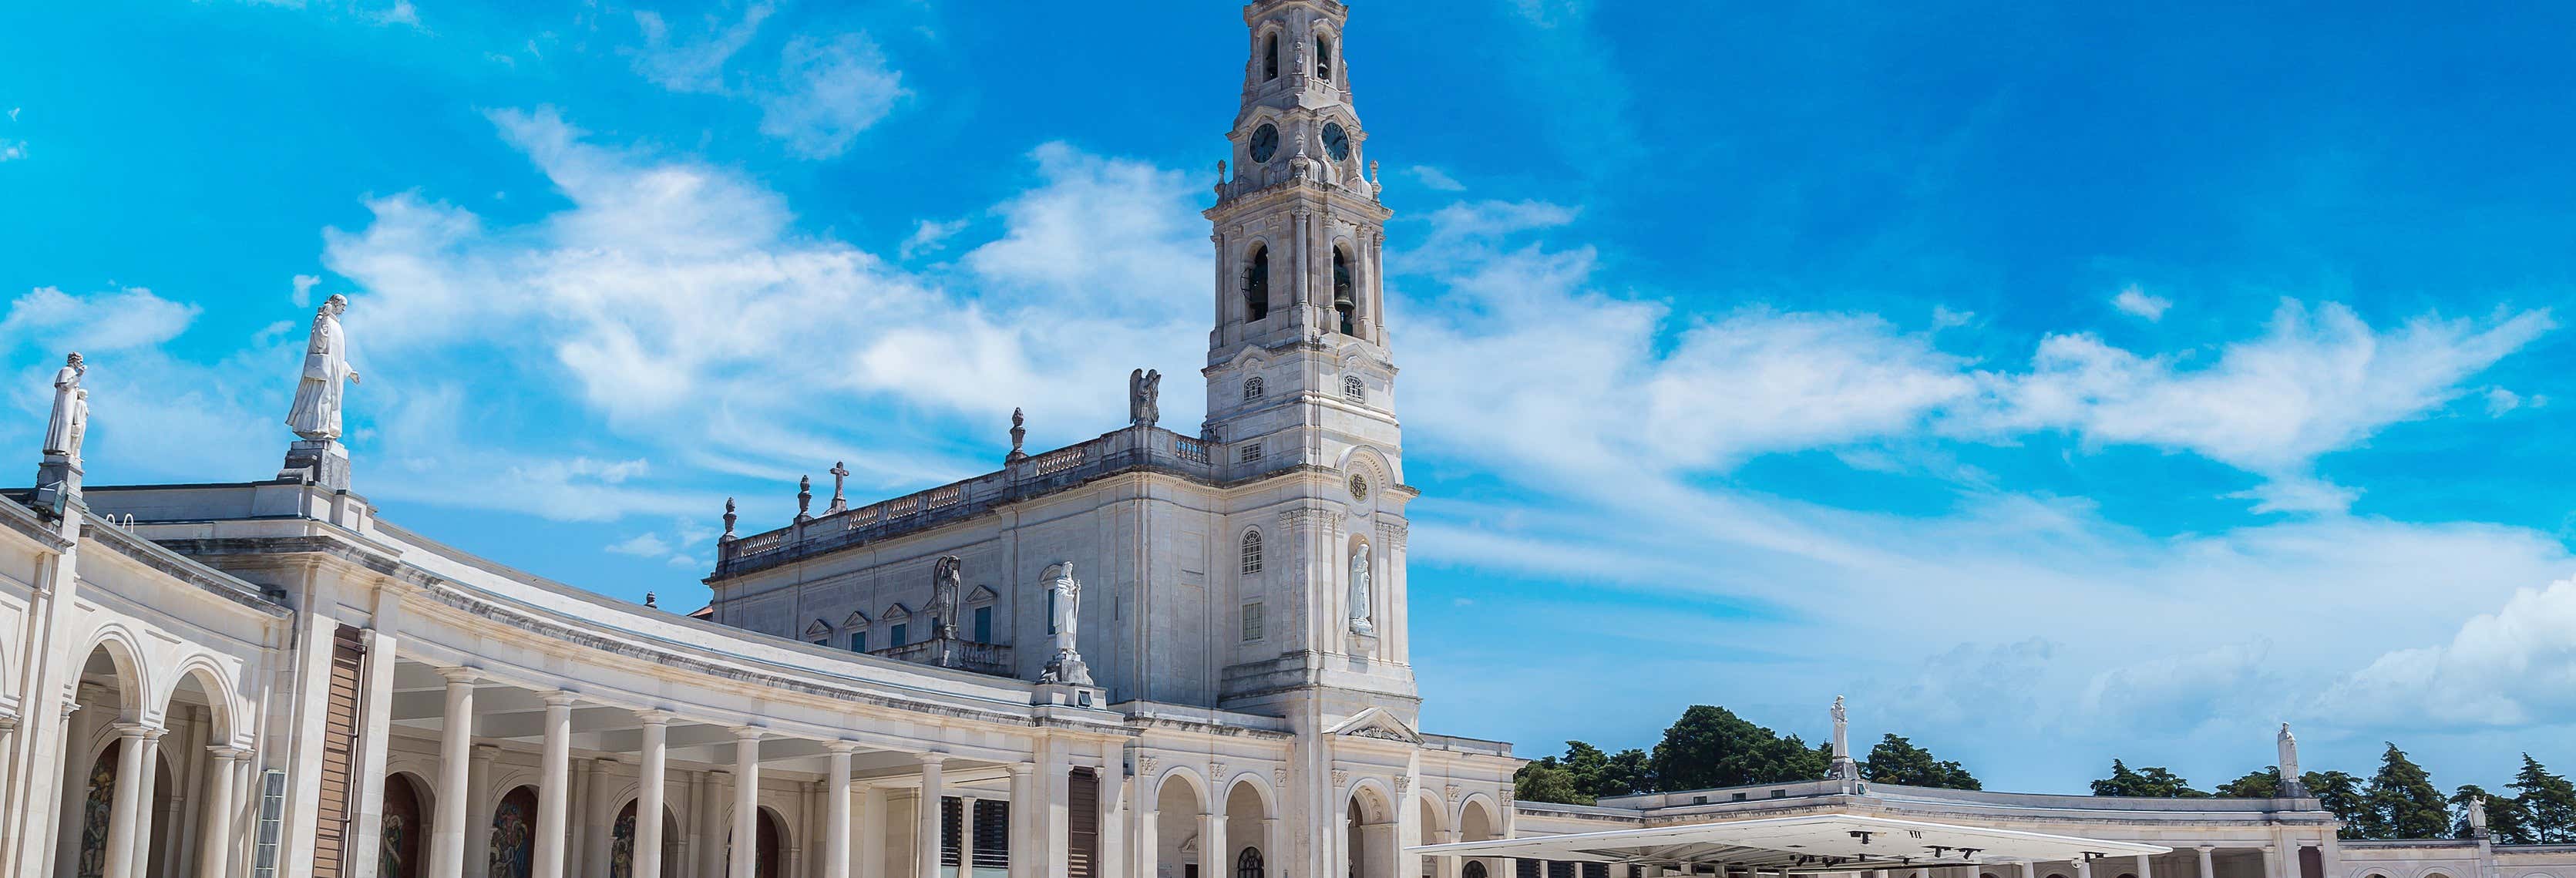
x,y
1301,379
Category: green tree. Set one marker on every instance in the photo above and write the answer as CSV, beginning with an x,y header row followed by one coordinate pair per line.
x,y
1600,775
2507,822
1627,773
2340,794
2548,800
1712,747
2147,782
2404,803
1547,780
1897,761
2262,783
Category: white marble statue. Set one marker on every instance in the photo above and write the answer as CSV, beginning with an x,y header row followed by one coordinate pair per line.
x,y
1360,612
2289,745
316,414
1064,615
71,409
1842,730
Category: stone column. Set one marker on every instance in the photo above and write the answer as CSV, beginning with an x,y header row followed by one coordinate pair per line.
x,y
2206,871
1149,827
554,784
1449,866
149,788
1025,850
648,794
745,862
1274,846
602,810
836,811
1212,846
2083,868
80,724
2272,862
2028,869
214,851
577,821
455,750
966,835
926,842
872,832
2146,869
126,808
478,822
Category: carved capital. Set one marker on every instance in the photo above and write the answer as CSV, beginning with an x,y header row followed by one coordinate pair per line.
x,y
1145,764
1403,784
1279,777
1341,777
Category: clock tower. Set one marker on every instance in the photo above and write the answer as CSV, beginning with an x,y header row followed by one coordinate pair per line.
x,y
1301,380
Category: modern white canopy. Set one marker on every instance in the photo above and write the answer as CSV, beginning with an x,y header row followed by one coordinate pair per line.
x,y
1808,844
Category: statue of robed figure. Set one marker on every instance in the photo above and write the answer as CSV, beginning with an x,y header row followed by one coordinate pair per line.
x,y
1064,614
70,418
1360,612
316,413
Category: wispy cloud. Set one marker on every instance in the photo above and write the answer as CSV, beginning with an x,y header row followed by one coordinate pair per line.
x,y
825,91
2137,301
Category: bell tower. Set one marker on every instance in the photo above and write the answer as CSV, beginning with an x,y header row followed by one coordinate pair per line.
x,y
1301,380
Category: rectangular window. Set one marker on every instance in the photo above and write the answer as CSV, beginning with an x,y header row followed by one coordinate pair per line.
x,y
897,638
1251,622
858,641
1247,452
983,624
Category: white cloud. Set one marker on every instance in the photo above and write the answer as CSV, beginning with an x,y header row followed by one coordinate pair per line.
x,y
2500,401
2512,667
12,150
2299,494
643,545
828,92
2317,380
125,319
673,304
693,62
1435,180
2139,302
930,236
304,284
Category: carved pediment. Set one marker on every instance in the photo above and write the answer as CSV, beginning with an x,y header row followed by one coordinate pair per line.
x,y
855,621
820,628
982,594
896,613
1377,723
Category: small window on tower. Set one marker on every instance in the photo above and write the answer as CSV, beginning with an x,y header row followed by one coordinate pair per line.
x,y
1252,552
1270,58
1251,622
1252,388
1324,57
1355,390
1256,284
1249,452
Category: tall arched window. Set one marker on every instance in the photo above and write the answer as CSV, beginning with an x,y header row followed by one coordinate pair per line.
x,y
1270,58
1323,57
1248,863
1256,284
1473,869
1252,388
1343,300
1252,551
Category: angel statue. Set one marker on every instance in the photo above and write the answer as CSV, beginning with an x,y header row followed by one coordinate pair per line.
x,y
316,414
1144,392
947,586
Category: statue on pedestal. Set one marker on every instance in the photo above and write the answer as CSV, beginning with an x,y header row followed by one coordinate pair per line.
x,y
71,409
1359,598
840,480
2291,786
316,413
1064,614
947,587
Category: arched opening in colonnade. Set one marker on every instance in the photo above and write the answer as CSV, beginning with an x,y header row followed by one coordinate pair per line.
x,y
621,843
1433,826
404,841
513,852
95,760
769,838
1478,822
1248,827
1369,834
1178,804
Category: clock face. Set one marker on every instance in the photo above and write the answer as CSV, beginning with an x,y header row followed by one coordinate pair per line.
x,y
1265,143
1336,141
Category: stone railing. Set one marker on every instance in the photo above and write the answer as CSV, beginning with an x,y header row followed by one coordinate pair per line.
x,y
949,652
1132,449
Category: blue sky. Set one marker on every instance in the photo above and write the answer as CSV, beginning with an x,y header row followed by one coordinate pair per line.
x,y
2058,383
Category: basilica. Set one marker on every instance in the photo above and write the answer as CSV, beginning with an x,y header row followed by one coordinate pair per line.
x,y
1156,653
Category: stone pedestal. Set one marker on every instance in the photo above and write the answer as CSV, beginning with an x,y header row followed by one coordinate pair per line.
x,y
58,483
1066,669
318,462
1083,696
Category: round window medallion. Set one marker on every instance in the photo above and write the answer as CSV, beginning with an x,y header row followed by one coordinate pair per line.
x,y
1359,488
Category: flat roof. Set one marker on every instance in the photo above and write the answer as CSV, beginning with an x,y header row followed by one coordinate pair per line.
x,y
1808,844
